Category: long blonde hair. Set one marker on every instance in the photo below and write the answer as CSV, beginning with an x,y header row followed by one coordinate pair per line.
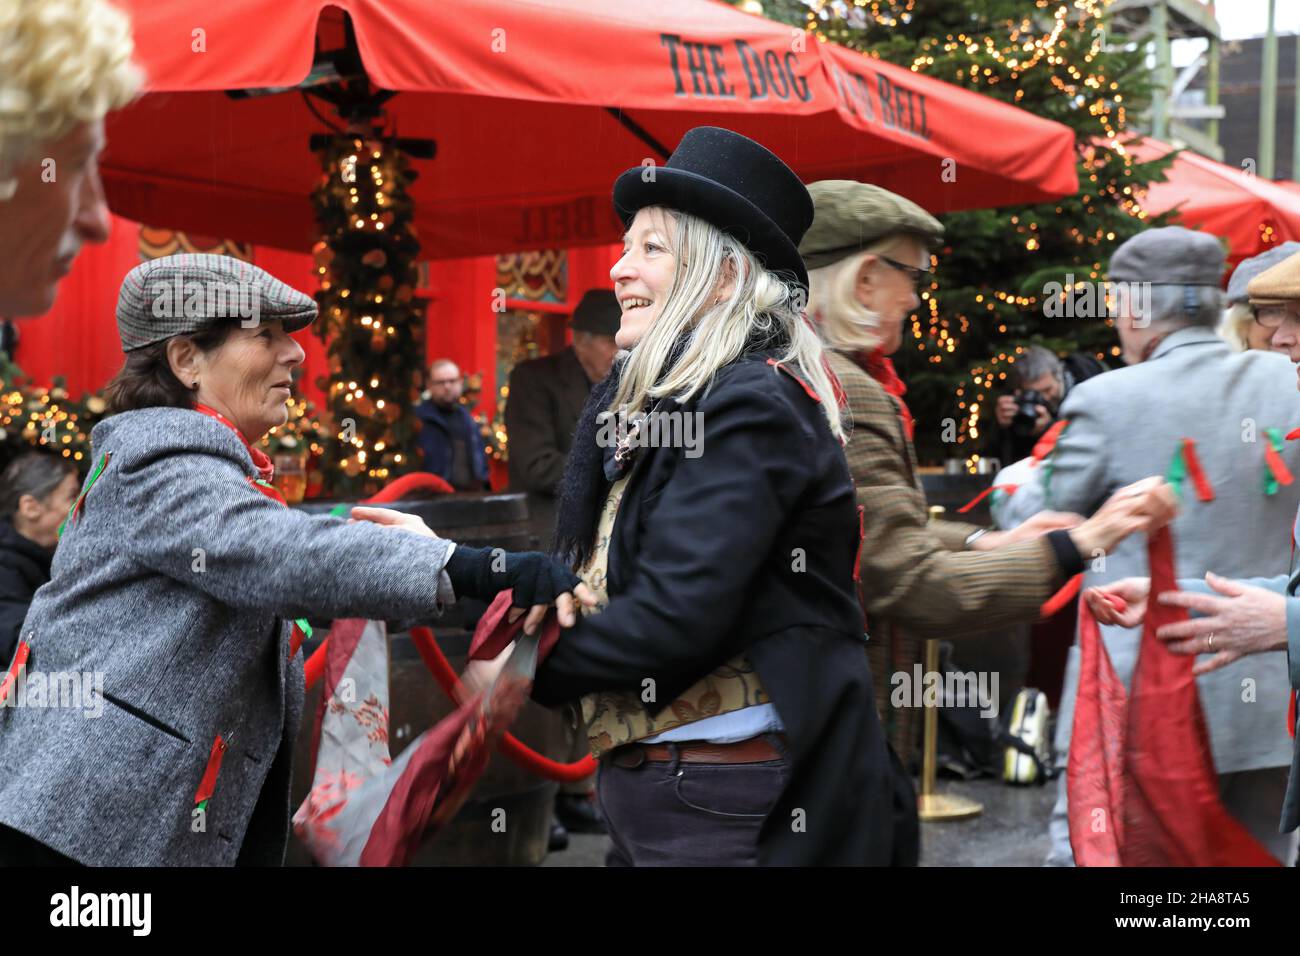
x,y
1235,325
846,324
715,333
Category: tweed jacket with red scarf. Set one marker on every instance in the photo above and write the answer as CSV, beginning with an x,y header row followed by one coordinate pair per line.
x,y
914,572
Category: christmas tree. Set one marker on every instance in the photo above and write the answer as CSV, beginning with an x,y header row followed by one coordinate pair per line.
x,y
33,416
988,299
369,316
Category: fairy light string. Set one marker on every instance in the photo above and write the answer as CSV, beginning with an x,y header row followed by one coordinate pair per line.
x,y
987,299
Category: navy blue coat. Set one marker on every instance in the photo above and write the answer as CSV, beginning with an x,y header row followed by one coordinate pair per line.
x,y
435,441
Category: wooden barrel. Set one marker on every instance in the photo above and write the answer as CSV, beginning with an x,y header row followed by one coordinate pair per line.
x,y
506,820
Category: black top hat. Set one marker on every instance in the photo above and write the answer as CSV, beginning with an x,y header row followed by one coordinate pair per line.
x,y
734,183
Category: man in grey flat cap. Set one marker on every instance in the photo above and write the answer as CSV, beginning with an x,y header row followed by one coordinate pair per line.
x,y
1231,620
866,251
1239,326
1184,383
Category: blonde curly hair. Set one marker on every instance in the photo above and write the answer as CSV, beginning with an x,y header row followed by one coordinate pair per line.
x,y
62,63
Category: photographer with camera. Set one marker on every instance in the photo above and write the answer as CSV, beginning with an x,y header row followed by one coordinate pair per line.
x,y
1041,383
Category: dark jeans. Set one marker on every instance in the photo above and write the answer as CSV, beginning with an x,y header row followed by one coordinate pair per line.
x,y
687,814
18,849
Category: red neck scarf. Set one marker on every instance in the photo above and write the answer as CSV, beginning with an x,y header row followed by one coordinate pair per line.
x,y
262,463
878,366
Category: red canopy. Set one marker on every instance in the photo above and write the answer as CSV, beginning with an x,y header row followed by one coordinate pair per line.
x,y
535,109
1253,214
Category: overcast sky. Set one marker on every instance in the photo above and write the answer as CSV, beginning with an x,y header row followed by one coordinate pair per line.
x,y
1239,19
1249,18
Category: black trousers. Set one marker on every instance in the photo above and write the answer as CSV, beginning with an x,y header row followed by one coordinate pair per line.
x,y
671,813
18,849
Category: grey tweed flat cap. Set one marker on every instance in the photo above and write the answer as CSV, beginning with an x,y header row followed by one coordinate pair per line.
x,y
175,295
1170,255
1247,269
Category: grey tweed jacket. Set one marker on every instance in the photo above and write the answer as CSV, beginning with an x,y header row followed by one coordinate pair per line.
x,y
1126,425
177,582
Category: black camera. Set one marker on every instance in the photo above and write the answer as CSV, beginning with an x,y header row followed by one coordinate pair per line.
x,y
1022,426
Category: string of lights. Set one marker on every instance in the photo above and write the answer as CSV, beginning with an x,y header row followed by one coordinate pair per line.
x,y
987,299
369,316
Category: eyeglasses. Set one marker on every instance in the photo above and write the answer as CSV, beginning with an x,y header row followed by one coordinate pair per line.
x,y
1272,316
912,272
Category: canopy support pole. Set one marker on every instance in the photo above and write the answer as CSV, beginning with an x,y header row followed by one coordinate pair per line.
x,y
637,130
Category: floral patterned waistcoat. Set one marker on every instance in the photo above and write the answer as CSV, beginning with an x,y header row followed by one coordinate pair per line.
x,y
615,718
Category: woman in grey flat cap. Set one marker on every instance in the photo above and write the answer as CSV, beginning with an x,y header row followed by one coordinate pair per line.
x,y
176,584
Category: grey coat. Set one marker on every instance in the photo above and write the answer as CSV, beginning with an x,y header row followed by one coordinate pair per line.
x,y
1126,425
177,583
1285,584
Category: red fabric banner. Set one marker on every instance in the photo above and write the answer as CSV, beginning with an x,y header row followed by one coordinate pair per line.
x,y
1142,786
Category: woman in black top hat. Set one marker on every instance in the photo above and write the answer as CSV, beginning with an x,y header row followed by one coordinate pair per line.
x,y
723,678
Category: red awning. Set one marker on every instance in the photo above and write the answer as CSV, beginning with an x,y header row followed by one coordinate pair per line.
x,y
535,109
1253,214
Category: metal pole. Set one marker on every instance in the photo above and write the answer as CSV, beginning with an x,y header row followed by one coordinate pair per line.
x,y
932,805
1295,128
1164,71
1213,57
1268,97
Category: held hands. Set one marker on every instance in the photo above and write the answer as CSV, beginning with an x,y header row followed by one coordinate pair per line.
x,y
479,675
1122,602
1039,524
537,580
1144,506
1243,620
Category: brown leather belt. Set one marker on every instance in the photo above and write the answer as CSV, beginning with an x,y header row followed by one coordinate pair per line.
x,y
753,750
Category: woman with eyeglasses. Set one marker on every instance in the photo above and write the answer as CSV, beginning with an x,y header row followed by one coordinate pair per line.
x,y
1241,325
866,252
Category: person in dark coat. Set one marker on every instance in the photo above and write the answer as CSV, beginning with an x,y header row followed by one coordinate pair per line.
x,y
723,675
36,490
545,399
449,437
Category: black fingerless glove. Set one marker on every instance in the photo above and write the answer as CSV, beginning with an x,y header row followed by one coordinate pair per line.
x,y
483,572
